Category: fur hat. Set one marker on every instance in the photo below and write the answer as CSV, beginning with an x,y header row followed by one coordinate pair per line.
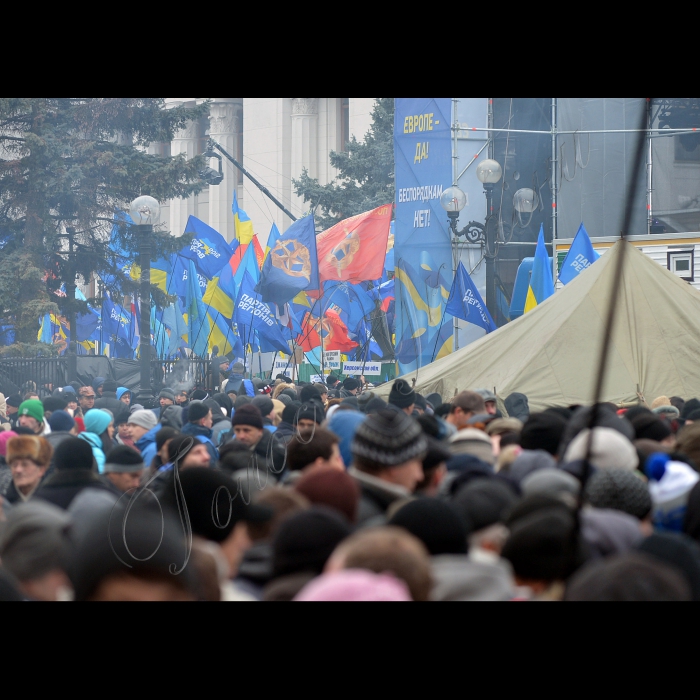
x,y
36,449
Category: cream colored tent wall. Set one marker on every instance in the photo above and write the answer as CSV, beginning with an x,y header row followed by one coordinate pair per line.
x,y
551,354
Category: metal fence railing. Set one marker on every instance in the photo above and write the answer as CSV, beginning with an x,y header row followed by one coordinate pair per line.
x,y
32,374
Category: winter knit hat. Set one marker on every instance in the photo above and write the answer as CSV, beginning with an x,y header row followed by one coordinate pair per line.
x,y
351,384
121,391
167,394
97,421
484,502
529,462
355,586
611,450
4,439
311,411
552,482
143,419
248,415
52,404
345,425
33,409
110,387
197,411
124,460
264,405
61,422
616,489
331,488
650,427
402,395
73,454
436,524
15,401
543,431
305,542
389,438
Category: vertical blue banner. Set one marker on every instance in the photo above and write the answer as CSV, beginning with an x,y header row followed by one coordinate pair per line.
x,y
423,248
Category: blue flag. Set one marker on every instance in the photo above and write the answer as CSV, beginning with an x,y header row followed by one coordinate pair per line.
x,y
209,250
292,265
254,314
199,328
580,257
466,303
119,323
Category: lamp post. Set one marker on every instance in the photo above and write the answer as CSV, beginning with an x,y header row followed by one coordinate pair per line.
x,y
145,213
490,173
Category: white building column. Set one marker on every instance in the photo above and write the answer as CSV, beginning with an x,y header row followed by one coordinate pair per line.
x,y
185,142
304,140
224,127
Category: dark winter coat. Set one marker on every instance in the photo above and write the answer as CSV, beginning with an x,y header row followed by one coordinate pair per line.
x,y
63,487
119,410
205,435
375,499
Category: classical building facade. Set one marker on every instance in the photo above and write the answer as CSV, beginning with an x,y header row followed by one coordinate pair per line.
x,y
275,138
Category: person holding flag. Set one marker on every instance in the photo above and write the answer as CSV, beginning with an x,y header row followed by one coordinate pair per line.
x,y
466,303
541,282
580,257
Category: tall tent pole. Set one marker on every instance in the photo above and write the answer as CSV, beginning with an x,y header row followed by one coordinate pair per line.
x,y
555,192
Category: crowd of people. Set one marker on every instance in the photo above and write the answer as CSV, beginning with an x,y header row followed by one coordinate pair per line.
x,y
276,491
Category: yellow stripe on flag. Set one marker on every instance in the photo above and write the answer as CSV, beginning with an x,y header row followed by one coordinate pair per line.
x,y
530,302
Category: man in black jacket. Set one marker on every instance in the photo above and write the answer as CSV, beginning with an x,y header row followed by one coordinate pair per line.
x,y
74,473
109,401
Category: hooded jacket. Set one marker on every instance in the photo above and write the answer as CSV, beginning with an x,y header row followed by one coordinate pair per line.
x,y
147,446
96,443
205,435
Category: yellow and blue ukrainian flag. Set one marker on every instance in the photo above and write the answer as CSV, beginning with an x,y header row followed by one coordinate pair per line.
x,y
541,282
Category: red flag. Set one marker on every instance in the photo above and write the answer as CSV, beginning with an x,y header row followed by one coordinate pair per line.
x,y
309,339
355,249
337,333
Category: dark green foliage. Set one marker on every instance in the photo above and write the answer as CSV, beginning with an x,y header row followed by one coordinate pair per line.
x,y
74,162
366,179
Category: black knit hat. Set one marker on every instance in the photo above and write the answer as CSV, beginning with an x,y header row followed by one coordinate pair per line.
x,y
351,384
311,411
213,504
248,415
484,503
542,546
332,380
402,396
290,413
617,489
264,404
436,524
15,401
110,387
73,455
374,406
543,431
197,411
53,404
305,542
389,438
124,460
649,427
435,400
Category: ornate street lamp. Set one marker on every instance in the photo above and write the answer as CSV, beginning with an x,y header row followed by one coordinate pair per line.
x,y
145,213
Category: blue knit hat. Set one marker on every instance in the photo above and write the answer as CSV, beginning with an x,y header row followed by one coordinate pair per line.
x,y
121,391
97,421
345,424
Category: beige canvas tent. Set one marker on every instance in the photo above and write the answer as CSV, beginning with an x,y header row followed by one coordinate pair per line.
x,y
551,354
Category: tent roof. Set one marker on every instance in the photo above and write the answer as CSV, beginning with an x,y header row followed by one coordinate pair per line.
x,y
551,354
